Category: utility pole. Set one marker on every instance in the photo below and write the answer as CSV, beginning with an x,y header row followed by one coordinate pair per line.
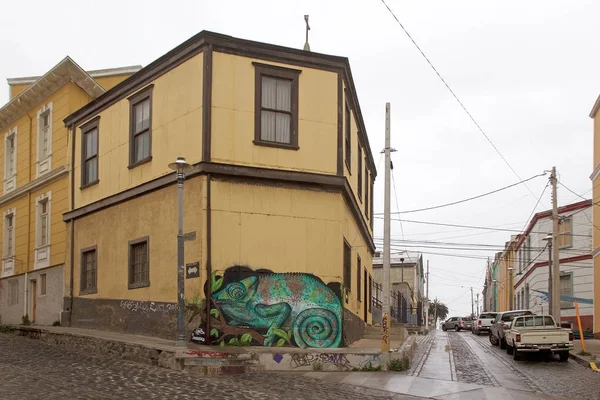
x,y
477,309
427,296
385,317
472,313
555,255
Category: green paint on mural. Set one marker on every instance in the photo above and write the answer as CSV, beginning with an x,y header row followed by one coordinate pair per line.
x,y
289,306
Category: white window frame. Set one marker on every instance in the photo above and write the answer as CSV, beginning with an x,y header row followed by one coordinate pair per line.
x,y
8,261
42,251
44,164
10,179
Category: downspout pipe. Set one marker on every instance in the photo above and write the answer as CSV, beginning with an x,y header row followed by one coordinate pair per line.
x,y
208,259
29,179
72,234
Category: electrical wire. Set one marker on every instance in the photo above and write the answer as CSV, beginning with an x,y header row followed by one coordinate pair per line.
x,y
534,207
472,227
465,200
455,96
580,196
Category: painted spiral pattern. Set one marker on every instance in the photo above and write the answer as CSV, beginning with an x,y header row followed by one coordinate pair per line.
x,y
317,327
236,290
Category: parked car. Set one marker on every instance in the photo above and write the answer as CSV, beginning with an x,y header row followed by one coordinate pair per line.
x,y
468,323
538,333
483,323
456,323
501,323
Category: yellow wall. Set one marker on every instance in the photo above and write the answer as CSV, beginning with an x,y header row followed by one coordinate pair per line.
x,y
233,118
65,100
596,231
15,90
352,175
176,131
135,219
286,230
108,82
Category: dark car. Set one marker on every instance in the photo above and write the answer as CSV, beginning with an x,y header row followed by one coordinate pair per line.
x,y
503,321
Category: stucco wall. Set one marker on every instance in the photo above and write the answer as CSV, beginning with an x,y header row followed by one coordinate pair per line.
x,y
49,305
11,314
176,131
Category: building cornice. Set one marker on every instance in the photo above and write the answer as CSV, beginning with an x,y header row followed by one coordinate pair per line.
x,y
595,173
231,45
35,184
595,108
545,264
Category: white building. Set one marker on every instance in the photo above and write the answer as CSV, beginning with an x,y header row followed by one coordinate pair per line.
x,y
531,270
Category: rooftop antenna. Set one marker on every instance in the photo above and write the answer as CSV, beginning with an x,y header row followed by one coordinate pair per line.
x,y
306,45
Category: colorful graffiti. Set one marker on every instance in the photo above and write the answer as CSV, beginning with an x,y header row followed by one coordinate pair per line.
x,y
274,309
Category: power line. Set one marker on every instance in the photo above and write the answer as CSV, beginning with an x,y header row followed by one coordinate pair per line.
x,y
455,96
473,227
580,196
465,200
534,207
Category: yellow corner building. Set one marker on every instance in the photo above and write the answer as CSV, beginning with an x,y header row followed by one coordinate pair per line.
x,y
279,195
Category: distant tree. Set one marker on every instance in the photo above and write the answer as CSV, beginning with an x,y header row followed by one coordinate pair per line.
x,y
438,309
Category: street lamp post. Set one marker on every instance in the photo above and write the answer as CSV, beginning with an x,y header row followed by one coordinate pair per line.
x,y
510,288
180,166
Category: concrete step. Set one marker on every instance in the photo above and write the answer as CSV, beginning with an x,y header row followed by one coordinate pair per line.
x,y
224,369
204,361
378,337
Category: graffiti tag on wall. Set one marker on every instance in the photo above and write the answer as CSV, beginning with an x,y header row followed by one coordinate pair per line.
x,y
147,307
308,359
274,309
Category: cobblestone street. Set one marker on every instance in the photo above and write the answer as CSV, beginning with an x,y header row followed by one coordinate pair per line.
x,y
477,361
33,370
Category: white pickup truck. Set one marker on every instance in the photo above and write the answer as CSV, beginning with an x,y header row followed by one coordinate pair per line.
x,y
538,333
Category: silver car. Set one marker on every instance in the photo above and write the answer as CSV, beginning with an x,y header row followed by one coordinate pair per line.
x,y
456,323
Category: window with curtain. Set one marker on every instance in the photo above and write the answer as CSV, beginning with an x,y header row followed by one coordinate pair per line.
x,y
565,238
140,130
566,289
276,106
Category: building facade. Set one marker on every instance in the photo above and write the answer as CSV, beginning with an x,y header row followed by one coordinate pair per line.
x,y
595,178
279,196
531,269
35,193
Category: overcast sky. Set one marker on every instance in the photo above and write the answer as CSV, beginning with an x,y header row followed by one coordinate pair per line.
x,y
526,70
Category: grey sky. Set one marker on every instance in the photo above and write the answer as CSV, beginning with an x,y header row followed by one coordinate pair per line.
x,y
527,71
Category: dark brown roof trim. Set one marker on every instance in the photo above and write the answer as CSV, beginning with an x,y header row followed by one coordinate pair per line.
x,y
242,173
231,45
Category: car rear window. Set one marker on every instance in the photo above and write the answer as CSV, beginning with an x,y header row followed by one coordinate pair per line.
x,y
510,317
487,316
535,321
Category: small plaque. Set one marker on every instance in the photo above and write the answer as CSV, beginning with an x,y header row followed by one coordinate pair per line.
x,y
192,270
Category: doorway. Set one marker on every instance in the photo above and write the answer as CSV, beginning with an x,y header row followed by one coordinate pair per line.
x,y
367,297
32,300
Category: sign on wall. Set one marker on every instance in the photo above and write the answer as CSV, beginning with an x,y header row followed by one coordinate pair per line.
x,y
192,270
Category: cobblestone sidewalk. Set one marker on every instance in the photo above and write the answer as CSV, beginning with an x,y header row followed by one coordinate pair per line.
x,y
33,370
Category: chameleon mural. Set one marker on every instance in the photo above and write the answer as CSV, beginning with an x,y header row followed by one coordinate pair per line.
x,y
295,306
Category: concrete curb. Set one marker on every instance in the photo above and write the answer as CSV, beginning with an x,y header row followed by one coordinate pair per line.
x,y
584,361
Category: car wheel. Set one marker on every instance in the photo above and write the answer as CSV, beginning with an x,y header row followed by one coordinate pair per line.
x,y
502,343
564,356
457,328
516,355
444,328
509,349
493,340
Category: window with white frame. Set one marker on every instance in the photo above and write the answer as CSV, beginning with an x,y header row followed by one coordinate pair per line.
x,y
44,139
566,289
8,244
10,160
42,231
565,231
